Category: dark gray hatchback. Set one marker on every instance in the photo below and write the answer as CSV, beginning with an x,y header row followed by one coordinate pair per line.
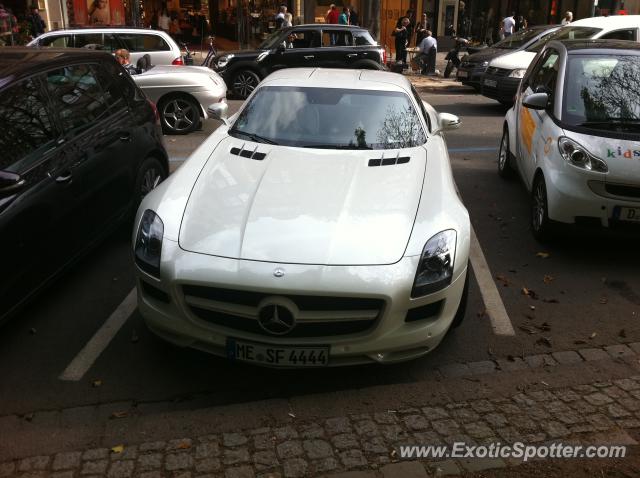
x,y
81,145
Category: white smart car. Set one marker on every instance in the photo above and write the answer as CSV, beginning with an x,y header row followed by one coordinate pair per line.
x,y
319,226
573,134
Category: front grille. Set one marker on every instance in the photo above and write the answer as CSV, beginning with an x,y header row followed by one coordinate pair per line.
x,y
493,71
318,316
622,190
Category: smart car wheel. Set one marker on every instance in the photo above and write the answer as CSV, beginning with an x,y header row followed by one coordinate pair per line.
x,y
541,225
179,115
505,167
244,82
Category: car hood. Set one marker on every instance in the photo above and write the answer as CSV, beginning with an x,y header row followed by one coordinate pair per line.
x,y
160,70
487,54
514,60
305,206
241,54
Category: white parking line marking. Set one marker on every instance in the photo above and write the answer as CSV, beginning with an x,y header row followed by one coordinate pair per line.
x,y
494,306
92,350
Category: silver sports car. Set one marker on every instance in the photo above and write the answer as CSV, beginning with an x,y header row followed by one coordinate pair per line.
x,y
182,94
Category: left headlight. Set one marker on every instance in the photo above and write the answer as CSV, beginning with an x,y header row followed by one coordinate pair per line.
x,y
579,157
519,73
148,245
435,270
224,60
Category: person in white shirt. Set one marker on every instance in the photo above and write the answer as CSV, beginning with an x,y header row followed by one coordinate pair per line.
x,y
428,48
568,18
509,25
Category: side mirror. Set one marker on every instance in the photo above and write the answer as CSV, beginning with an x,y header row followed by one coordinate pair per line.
x,y
218,111
536,101
10,183
448,121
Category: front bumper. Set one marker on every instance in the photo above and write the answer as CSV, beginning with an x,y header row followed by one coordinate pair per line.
x,y
391,339
207,97
500,88
471,75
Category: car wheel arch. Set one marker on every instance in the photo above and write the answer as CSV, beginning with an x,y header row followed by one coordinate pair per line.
x,y
367,65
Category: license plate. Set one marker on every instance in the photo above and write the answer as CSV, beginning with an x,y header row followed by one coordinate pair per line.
x,y
627,213
462,74
491,83
275,356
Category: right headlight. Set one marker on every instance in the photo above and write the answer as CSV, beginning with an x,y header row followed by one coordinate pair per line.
x,y
519,73
148,245
435,270
224,60
577,156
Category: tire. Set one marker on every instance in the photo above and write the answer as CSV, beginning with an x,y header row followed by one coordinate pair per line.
x,y
244,82
366,65
462,307
505,158
448,69
179,115
150,174
542,227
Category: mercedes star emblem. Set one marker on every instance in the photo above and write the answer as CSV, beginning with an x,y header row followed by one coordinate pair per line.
x,y
276,319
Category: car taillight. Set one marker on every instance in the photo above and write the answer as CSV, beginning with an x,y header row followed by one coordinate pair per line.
x,y
178,61
155,111
383,56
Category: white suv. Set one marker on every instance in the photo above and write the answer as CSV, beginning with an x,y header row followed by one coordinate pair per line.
x,y
139,41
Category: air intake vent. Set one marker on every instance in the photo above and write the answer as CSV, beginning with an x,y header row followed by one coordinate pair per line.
x,y
245,153
388,161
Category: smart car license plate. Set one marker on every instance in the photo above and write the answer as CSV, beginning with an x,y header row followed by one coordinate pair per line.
x,y
491,83
266,354
627,213
462,74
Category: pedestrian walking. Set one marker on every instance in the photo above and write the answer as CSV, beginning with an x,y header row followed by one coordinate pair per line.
x,y
280,17
343,19
509,25
353,16
332,15
401,35
422,28
568,18
36,23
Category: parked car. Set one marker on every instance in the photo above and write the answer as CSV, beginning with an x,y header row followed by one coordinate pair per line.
x,y
139,41
182,93
473,66
81,146
321,45
310,230
503,75
573,135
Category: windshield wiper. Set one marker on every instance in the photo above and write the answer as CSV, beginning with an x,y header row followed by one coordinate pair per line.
x,y
253,137
335,146
612,121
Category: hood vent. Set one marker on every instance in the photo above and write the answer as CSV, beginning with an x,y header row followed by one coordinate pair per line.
x,y
388,161
245,153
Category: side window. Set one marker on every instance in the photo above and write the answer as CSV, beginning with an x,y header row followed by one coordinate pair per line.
x,y
57,41
336,38
544,79
128,41
112,82
153,43
26,125
300,39
362,37
629,34
426,116
93,41
77,95
110,42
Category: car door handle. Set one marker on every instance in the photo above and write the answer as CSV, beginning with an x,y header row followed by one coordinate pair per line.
x,y
125,136
351,55
65,177
309,57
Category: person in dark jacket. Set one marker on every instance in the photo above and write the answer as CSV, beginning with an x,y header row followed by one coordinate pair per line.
x,y
36,22
402,40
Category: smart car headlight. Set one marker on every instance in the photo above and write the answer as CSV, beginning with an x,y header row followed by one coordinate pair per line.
x,y
149,243
435,269
519,73
224,60
578,156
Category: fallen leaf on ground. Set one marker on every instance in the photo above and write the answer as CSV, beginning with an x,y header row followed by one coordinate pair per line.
x,y
184,445
547,279
96,383
292,415
117,449
503,279
530,293
532,307
543,255
593,335
544,383
527,329
551,301
120,414
603,300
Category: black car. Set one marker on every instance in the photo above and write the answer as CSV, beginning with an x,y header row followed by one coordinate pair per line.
x,y
81,145
474,65
317,45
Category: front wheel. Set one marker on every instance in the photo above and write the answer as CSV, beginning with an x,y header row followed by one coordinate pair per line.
x,y
244,82
448,69
505,166
541,226
150,174
179,115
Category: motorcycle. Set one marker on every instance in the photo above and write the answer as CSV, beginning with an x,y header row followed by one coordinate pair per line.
x,y
452,57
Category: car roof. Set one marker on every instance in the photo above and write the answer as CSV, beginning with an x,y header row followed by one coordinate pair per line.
x,y
95,29
614,21
602,47
339,78
21,61
313,26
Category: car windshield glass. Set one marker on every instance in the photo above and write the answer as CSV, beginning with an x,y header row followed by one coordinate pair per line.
x,y
603,92
271,41
518,39
565,33
330,118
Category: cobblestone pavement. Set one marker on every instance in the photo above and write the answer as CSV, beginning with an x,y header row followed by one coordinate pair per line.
x,y
367,445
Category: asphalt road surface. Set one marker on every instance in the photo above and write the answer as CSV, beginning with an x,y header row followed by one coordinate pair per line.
x,y
585,291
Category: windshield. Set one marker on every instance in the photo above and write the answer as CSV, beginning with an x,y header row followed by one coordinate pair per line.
x,y
603,92
565,33
330,118
518,39
271,41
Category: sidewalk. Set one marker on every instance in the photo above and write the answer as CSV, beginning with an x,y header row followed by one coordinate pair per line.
x,y
590,396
